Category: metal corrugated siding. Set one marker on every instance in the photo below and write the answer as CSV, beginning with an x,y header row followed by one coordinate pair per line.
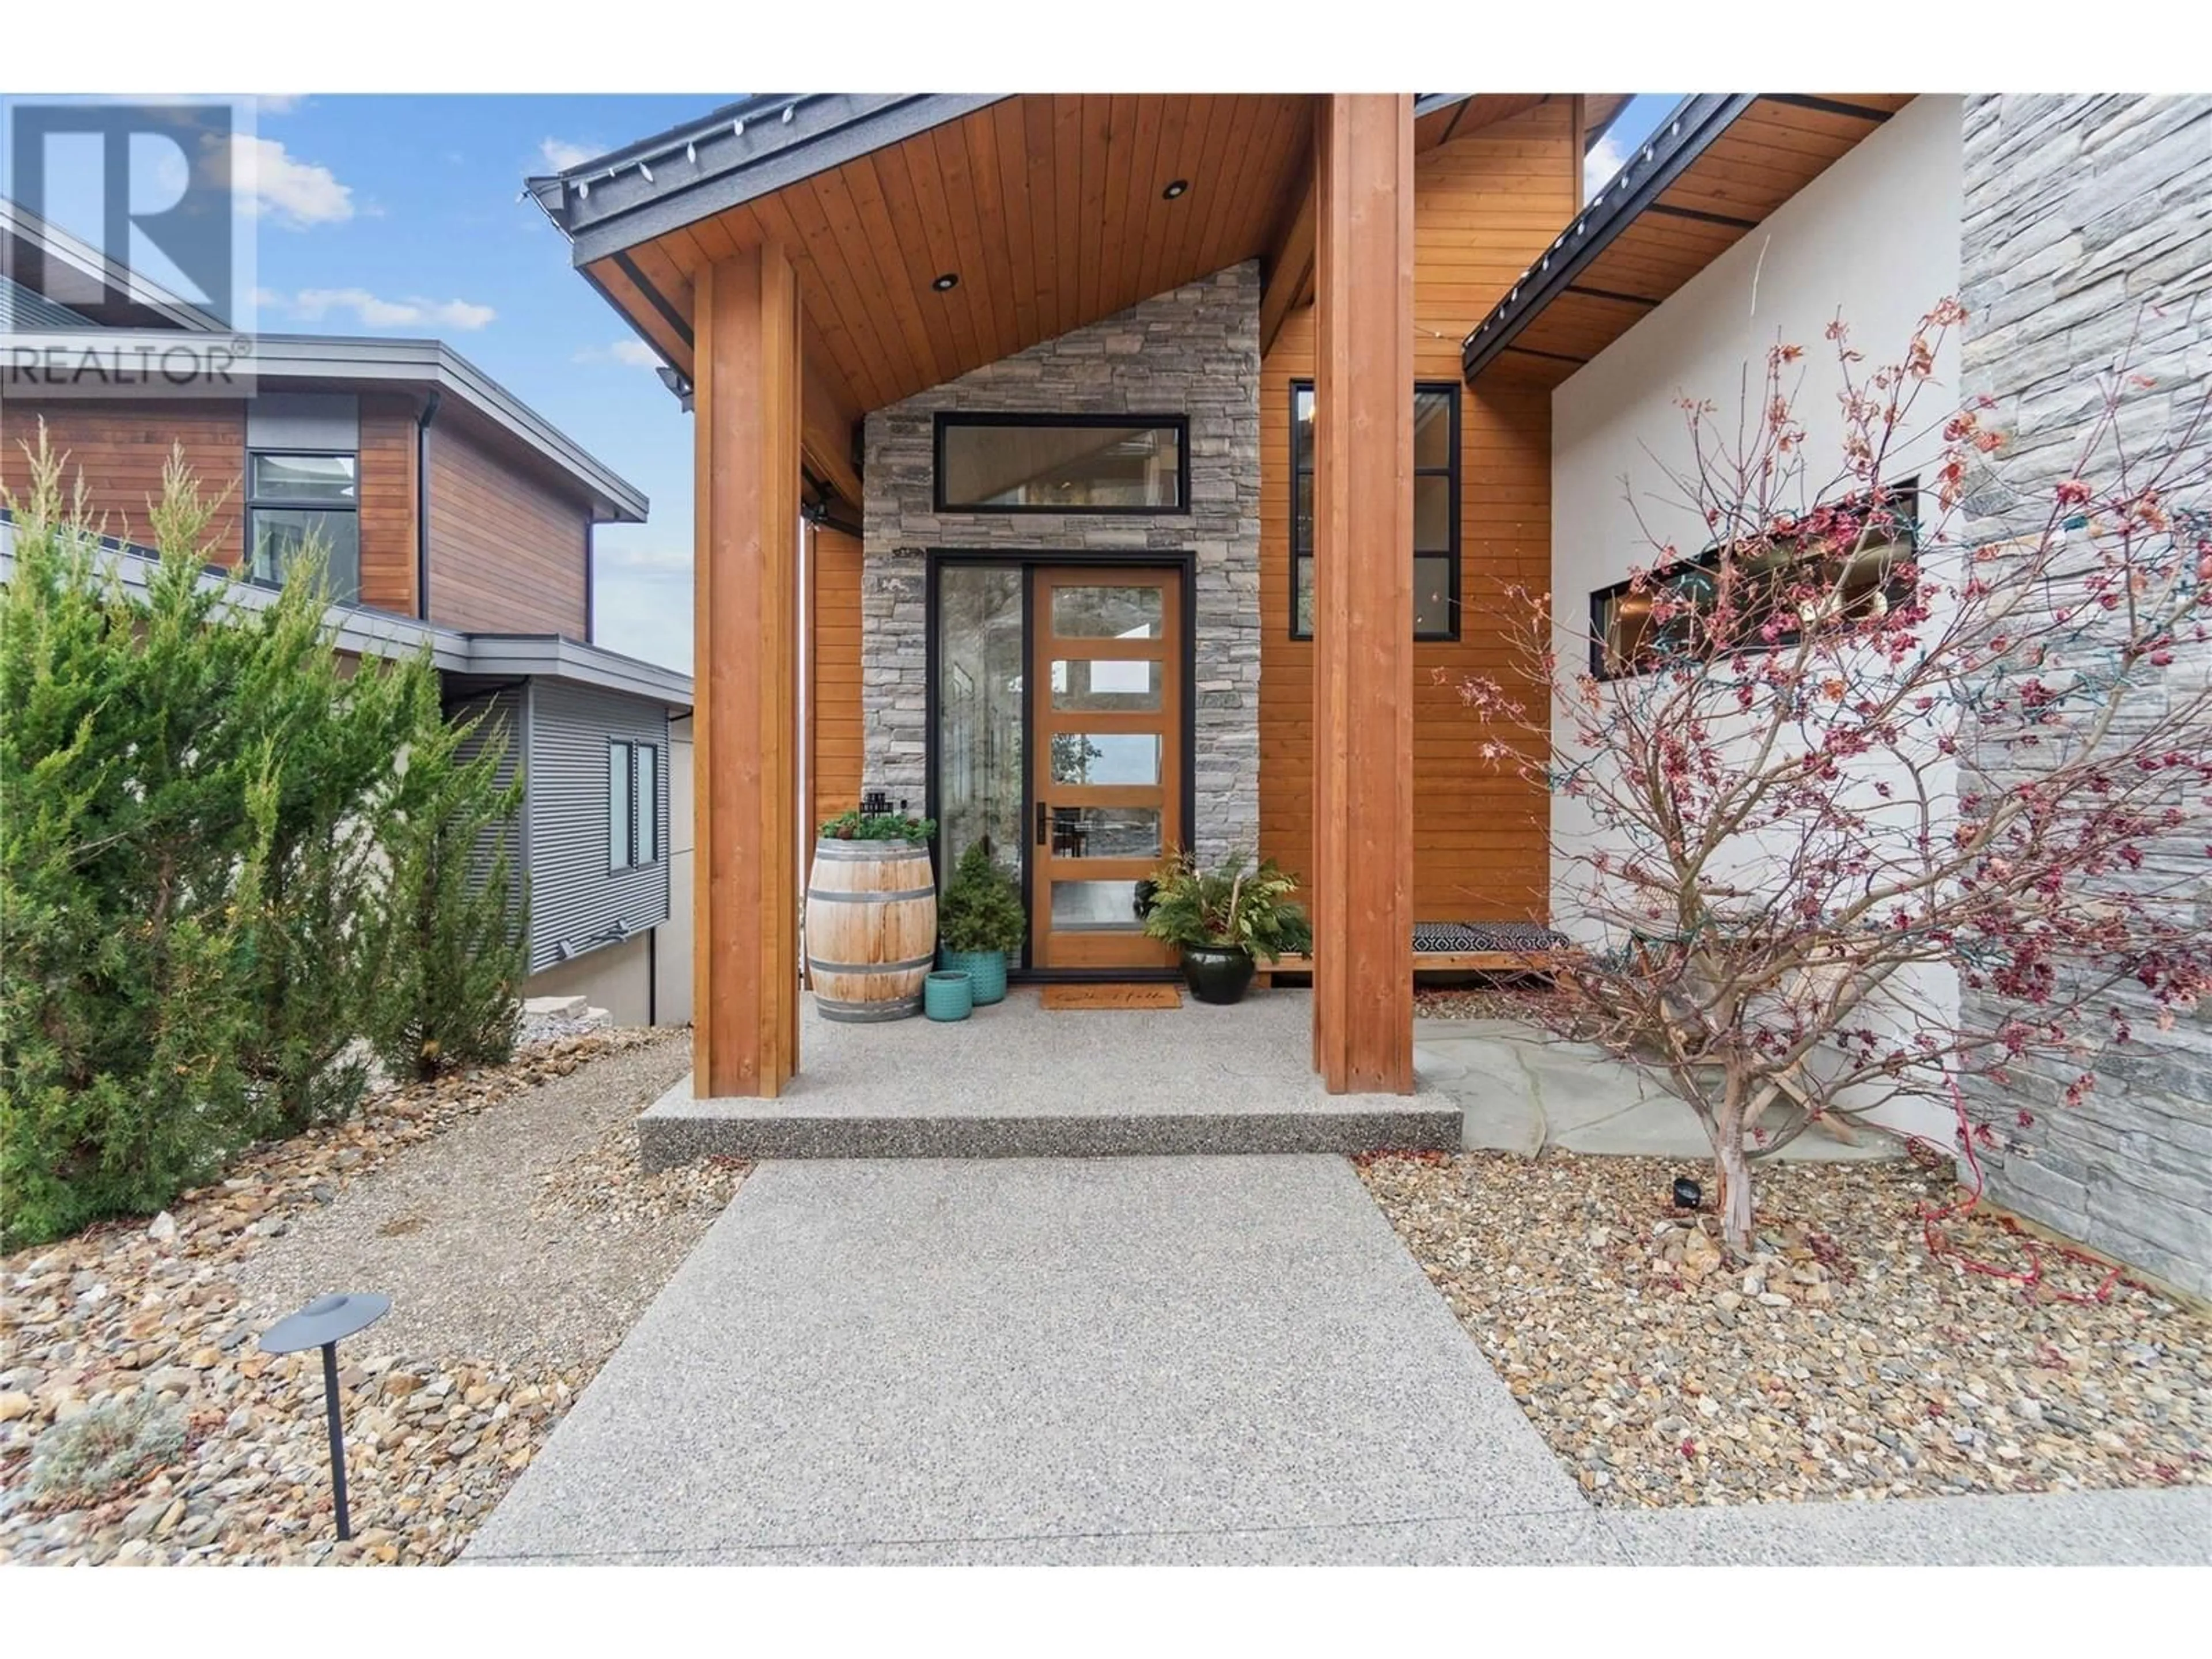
x,y
506,722
573,895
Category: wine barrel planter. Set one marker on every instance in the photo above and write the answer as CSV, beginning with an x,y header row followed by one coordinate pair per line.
x,y
871,928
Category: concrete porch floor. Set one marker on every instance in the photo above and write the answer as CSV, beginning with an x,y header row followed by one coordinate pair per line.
x,y
1015,1079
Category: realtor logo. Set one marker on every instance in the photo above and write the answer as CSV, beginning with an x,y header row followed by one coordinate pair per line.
x,y
125,256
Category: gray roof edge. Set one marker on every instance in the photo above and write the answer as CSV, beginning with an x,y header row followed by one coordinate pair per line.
x,y
656,185
16,220
369,359
367,633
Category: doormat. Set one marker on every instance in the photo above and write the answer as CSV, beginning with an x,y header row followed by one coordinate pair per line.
x,y
1112,996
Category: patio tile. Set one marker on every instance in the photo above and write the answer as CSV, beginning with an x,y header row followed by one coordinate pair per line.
x,y
1201,1358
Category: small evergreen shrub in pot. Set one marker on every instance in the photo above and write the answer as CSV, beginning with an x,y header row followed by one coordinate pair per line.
x,y
981,922
1222,918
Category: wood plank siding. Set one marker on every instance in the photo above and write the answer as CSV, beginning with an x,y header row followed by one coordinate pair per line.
x,y
120,448
507,553
1485,206
388,503
833,668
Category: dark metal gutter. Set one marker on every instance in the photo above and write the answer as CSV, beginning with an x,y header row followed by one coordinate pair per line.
x,y
1681,138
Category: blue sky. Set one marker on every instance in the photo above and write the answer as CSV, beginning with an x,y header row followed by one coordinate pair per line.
x,y
397,215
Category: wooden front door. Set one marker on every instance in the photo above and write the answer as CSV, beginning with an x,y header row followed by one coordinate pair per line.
x,y
1106,673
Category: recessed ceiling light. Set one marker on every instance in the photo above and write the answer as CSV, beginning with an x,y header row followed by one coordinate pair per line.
x,y
948,282
1176,187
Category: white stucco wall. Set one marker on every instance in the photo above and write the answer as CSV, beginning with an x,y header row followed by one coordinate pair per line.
x,y
1875,240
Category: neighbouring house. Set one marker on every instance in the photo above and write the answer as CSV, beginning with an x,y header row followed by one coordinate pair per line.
x,y
1093,408
454,515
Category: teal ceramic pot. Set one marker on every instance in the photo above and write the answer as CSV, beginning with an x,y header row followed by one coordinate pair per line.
x,y
1216,976
948,996
985,971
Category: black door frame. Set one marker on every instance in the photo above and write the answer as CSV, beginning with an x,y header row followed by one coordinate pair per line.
x,y
1026,559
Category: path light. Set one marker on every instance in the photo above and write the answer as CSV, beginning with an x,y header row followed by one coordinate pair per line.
x,y
1688,1195
319,1325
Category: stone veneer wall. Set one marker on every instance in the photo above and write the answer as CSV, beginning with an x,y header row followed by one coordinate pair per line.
x,y
1193,351
2079,211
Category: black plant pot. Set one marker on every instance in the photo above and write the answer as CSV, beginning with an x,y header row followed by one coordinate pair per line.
x,y
1217,973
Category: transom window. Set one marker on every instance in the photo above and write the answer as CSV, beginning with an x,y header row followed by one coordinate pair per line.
x,y
1063,463
633,805
294,499
1436,548
1843,567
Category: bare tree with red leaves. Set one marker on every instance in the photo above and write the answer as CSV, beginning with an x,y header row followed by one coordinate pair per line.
x,y
1814,777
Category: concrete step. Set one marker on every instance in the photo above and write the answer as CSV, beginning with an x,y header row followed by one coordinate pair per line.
x,y
679,1127
553,1008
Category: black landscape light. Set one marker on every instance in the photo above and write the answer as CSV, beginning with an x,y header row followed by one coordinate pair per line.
x,y
319,1325
1688,1195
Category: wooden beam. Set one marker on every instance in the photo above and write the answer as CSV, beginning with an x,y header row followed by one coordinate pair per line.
x,y
1288,272
1362,671
747,395
829,418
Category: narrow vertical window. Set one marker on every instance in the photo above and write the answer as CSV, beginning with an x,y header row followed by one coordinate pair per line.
x,y
648,803
622,851
1436,548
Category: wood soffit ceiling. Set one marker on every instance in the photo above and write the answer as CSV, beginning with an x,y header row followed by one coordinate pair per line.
x,y
987,198
1557,320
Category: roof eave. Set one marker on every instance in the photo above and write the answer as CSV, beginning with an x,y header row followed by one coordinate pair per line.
x,y
1692,125
744,151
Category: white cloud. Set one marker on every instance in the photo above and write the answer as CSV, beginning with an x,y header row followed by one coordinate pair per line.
x,y
312,305
272,181
1604,160
560,154
635,352
277,103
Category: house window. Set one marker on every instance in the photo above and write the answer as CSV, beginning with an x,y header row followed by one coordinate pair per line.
x,y
633,805
296,499
1842,563
1063,463
1435,551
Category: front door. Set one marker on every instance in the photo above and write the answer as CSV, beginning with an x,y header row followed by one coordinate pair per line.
x,y
1106,716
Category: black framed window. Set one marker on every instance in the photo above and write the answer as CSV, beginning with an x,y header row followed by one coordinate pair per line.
x,y
633,805
1786,581
1436,549
294,498
1063,463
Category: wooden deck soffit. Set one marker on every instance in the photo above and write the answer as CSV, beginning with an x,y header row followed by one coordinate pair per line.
x,y
1718,166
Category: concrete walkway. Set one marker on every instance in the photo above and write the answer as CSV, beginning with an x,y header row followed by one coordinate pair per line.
x,y
1129,1359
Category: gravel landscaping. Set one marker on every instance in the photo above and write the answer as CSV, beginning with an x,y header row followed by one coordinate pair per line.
x,y
517,1249
1850,1361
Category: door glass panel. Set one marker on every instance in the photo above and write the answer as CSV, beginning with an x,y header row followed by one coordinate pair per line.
x,y
1106,758
1107,613
1095,906
1432,413
979,711
1084,684
1106,832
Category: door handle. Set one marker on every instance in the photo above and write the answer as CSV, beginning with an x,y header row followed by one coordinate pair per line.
x,y
1040,824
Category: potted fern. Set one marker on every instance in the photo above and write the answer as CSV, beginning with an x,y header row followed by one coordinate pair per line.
x,y
1222,918
979,922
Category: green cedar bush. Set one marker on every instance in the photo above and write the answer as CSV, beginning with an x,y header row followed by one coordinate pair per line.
x,y
980,908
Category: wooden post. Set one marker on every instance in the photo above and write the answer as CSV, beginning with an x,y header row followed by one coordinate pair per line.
x,y
746,419
1362,880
